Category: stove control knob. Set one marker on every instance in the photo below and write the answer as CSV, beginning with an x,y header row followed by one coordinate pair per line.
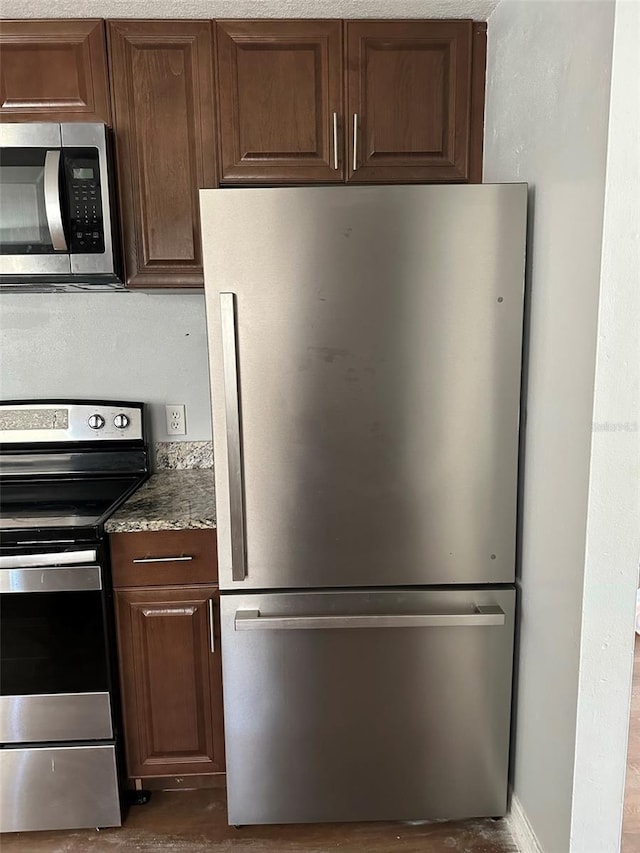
x,y
96,421
121,421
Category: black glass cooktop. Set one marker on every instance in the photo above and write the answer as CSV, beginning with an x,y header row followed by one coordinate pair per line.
x,y
37,505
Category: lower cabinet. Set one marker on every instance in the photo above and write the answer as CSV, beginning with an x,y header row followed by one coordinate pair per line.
x,y
170,673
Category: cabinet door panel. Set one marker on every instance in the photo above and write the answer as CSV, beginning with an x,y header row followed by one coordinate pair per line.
x,y
280,85
162,79
171,680
409,84
53,71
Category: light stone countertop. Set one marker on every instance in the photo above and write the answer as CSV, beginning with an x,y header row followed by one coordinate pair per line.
x,y
169,500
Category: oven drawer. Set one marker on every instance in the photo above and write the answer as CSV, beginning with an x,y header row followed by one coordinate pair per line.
x,y
163,558
55,717
59,788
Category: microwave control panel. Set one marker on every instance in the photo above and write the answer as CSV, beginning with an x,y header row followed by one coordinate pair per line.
x,y
84,199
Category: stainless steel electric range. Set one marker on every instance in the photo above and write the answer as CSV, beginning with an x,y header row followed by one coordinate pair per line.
x,y
65,466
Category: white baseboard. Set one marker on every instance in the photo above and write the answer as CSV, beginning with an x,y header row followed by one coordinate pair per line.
x,y
523,834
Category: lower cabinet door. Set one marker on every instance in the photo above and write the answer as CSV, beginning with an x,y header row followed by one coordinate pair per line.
x,y
170,669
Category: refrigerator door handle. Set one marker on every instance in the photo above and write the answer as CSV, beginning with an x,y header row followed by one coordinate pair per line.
x,y
486,615
234,448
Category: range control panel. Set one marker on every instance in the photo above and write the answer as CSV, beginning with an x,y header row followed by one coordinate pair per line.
x,y
66,422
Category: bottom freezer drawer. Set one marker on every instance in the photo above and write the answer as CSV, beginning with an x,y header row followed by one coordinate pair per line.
x,y
367,705
58,788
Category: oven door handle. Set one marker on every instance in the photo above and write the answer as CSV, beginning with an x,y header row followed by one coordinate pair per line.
x,y
53,201
61,558
52,579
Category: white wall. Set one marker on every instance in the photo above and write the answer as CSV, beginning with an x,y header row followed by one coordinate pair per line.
x,y
546,123
613,521
131,346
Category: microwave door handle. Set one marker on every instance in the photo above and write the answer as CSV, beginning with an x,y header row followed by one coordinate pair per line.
x,y
52,200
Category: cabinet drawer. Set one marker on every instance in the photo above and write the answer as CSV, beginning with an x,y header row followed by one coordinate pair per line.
x,y
163,557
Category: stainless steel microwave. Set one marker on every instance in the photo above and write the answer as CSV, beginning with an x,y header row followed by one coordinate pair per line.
x,y
56,207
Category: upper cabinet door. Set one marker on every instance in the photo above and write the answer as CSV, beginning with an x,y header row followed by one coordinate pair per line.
x,y
281,116
163,116
409,100
53,71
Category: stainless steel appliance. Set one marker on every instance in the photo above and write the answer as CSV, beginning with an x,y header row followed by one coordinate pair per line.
x,y
64,468
56,207
365,351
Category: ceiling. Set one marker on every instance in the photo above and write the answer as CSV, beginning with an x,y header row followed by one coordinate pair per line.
x,y
478,10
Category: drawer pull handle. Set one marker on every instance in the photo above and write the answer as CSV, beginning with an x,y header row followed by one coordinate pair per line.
x,y
162,559
252,620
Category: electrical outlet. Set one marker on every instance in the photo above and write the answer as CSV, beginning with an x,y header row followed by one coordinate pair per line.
x,y
175,419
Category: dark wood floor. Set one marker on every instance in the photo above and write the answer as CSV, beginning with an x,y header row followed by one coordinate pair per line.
x,y
195,822
631,821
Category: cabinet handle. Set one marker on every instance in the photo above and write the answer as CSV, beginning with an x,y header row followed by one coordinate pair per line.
x,y
335,141
355,141
162,559
212,636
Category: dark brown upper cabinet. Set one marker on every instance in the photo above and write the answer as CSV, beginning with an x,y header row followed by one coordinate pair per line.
x,y
409,101
163,116
53,71
280,100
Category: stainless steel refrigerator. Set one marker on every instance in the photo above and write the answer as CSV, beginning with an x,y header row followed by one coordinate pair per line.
x,y
365,358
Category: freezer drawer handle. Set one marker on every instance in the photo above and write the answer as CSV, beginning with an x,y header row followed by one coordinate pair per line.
x,y
234,448
482,615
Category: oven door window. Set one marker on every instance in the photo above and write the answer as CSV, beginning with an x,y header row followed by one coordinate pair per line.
x,y
30,208
52,642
